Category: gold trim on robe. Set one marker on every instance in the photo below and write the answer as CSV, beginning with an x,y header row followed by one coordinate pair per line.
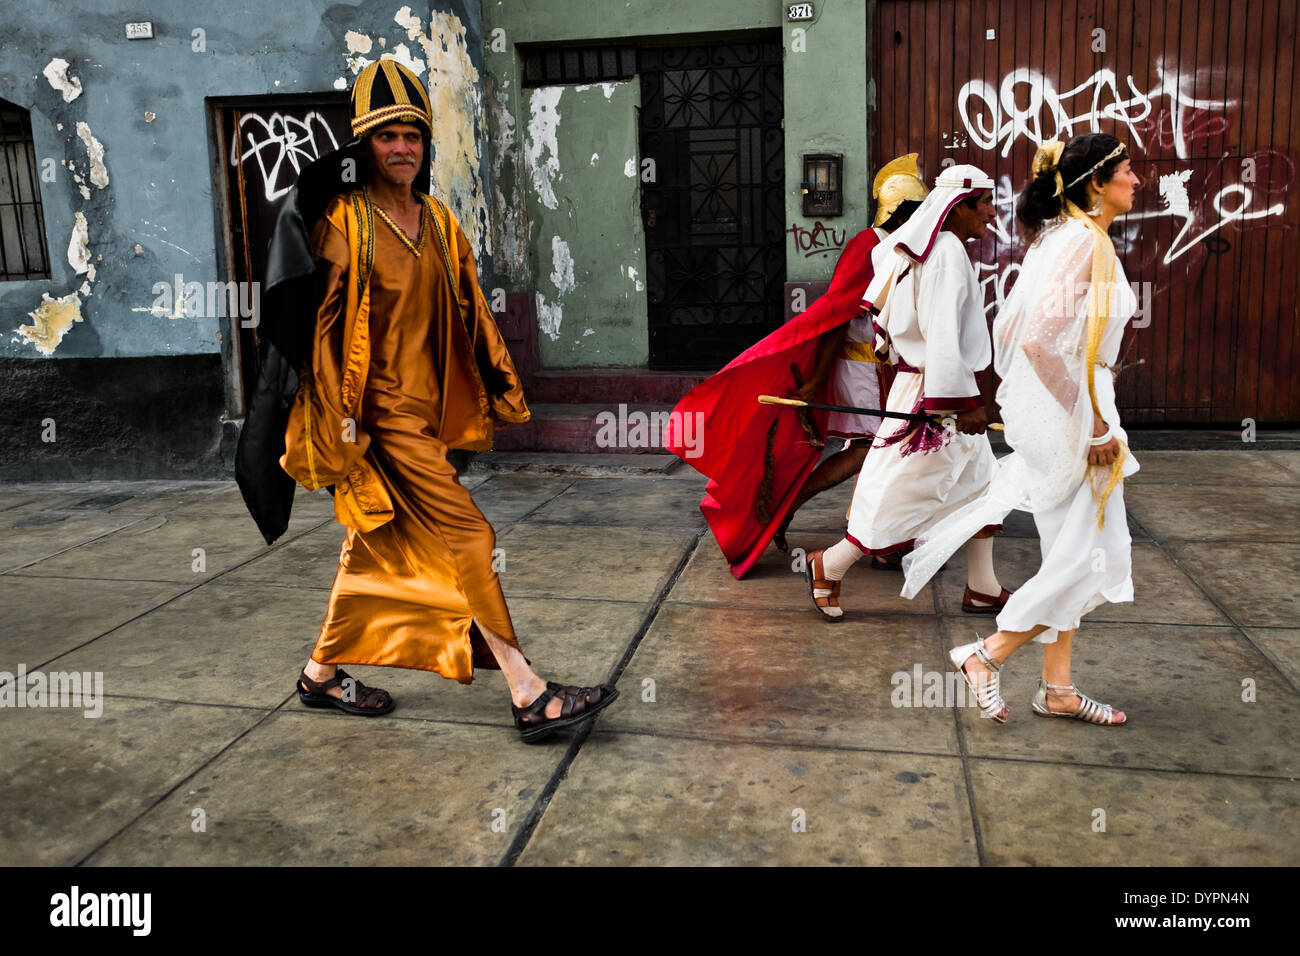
x,y
407,362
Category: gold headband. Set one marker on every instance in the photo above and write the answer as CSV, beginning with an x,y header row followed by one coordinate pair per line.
x,y
1105,159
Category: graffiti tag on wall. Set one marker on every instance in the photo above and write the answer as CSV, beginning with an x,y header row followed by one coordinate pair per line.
x,y
1202,197
282,145
820,240
993,116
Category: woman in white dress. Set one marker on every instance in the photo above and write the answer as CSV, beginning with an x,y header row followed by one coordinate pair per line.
x,y
1056,339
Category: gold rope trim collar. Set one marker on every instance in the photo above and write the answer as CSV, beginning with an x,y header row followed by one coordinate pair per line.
x,y
417,246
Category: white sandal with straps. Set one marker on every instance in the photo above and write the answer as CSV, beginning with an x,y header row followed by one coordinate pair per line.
x,y
1090,710
987,689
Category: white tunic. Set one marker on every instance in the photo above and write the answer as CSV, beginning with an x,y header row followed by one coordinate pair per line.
x,y
935,320
1041,357
855,376
1083,567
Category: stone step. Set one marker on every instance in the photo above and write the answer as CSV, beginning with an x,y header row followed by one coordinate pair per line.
x,y
576,463
619,428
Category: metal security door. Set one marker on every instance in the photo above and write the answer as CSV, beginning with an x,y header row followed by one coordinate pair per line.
x,y
712,199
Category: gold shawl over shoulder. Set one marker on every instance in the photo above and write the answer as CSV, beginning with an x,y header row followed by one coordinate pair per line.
x,y
324,441
1100,290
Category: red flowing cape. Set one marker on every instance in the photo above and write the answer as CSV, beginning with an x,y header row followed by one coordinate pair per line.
x,y
731,447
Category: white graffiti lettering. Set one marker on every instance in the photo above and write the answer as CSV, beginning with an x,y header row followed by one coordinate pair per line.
x,y
276,138
992,116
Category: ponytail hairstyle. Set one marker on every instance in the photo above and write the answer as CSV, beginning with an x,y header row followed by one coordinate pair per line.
x,y
1043,198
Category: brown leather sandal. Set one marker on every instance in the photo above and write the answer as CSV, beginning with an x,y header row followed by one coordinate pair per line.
x,y
991,604
578,704
815,573
367,701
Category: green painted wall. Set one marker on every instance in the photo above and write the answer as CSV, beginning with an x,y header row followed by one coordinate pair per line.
x,y
544,188
585,222
826,112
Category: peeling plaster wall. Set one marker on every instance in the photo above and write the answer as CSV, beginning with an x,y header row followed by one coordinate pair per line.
x,y
585,217
132,150
124,127
564,166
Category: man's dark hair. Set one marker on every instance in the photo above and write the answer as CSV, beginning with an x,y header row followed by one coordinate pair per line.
x,y
901,214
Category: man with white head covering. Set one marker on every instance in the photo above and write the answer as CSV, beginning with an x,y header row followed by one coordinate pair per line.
x,y
846,356
929,316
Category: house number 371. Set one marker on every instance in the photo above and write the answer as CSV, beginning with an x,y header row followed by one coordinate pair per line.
x,y
799,11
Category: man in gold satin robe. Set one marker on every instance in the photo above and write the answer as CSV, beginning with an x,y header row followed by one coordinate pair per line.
x,y
406,364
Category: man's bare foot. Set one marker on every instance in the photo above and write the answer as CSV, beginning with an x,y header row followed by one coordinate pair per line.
x,y
525,695
319,684
321,673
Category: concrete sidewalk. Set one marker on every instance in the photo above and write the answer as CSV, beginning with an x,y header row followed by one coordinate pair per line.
x,y
748,731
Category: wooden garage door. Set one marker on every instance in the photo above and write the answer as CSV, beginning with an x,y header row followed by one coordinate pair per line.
x,y
1204,93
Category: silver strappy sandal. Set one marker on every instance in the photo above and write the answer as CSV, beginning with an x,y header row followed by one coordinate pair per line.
x,y
1089,709
988,689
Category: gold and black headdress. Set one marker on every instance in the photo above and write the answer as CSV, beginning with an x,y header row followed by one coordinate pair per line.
x,y
387,92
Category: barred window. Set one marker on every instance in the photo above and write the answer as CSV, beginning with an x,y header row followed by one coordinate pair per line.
x,y
553,66
22,224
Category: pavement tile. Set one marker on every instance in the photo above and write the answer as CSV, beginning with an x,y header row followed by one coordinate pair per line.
x,y
759,707
214,645
1043,815
1162,593
1281,645
310,789
504,499
71,782
9,500
40,622
1180,687
228,502
1216,513
625,502
783,677
160,548
774,583
660,801
622,564
1207,467
123,497
27,537
1255,583
685,472
825,512
150,498
1289,460
308,561
570,642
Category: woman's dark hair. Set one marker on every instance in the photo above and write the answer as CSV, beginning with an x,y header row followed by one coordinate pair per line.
x,y
1037,204
901,214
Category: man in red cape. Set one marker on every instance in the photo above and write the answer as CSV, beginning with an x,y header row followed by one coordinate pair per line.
x,y
759,457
